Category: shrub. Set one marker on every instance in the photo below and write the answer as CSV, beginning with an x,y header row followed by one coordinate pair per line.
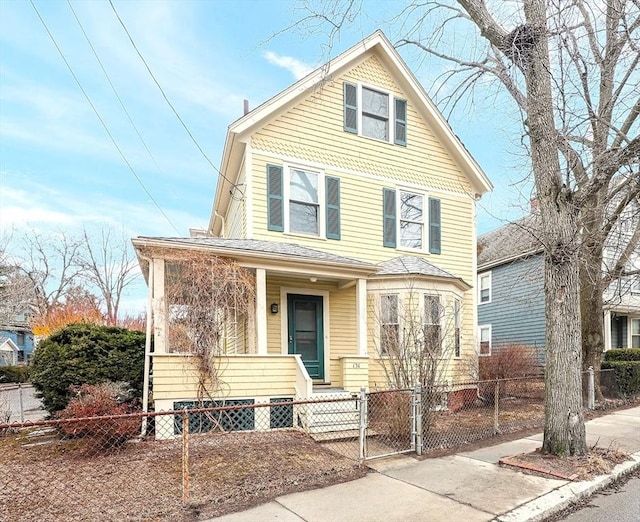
x,y
105,399
508,361
627,376
14,373
85,353
622,354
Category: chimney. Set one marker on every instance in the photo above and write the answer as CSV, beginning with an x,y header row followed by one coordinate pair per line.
x,y
246,107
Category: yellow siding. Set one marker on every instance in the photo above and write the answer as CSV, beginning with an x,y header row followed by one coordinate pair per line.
x,y
236,225
312,131
342,318
176,377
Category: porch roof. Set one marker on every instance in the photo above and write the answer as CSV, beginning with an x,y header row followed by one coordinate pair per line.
x,y
257,250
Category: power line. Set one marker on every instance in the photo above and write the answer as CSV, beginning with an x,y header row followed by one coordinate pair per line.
x,y
115,92
115,144
233,185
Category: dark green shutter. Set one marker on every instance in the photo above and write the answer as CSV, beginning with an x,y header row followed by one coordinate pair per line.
x,y
400,137
434,226
275,218
389,218
350,107
332,186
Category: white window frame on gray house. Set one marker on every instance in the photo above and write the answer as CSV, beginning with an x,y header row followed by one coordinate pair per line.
x,y
485,293
487,339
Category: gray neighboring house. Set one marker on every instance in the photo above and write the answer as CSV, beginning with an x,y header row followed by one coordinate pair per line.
x,y
510,287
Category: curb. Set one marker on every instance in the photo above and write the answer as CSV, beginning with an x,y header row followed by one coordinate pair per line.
x,y
562,497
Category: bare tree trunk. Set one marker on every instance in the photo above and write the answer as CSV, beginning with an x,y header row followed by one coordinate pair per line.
x,y
564,432
591,287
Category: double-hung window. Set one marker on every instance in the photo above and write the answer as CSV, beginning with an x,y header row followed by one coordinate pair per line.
x,y
484,288
303,201
432,325
389,325
374,113
411,221
485,340
635,333
304,205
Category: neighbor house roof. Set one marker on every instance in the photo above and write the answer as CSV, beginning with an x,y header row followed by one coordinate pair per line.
x,y
512,241
376,44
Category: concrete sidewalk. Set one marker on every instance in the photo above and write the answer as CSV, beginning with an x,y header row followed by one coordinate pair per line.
x,y
470,486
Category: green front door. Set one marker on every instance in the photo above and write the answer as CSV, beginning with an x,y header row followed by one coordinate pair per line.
x,y
306,333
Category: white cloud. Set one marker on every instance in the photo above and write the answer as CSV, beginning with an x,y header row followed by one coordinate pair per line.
x,y
298,68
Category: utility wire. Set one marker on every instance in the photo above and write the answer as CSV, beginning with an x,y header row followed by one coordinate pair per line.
x,y
233,185
100,118
115,92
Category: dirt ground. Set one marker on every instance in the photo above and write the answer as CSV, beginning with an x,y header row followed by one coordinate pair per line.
x,y
143,481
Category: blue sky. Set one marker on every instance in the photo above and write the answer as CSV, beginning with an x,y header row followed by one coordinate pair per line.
x,y
59,169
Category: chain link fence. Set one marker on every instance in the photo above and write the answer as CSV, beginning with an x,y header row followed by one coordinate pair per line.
x,y
196,461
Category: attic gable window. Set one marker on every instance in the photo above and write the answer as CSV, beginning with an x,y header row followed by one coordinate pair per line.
x,y
374,113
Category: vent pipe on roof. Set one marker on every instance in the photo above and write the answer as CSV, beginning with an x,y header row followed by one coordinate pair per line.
x,y
246,107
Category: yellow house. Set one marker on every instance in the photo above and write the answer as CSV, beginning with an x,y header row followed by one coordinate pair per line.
x,y
351,204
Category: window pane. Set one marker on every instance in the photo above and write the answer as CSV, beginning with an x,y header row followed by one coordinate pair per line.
x,y
303,186
484,348
411,206
410,234
375,127
635,326
432,309
484,295
389,306
303,218
375,103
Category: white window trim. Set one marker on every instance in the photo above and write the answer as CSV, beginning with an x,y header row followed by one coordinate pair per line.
x,y
322,233
390,115
443,319
425,224
480,278
630,334
480,328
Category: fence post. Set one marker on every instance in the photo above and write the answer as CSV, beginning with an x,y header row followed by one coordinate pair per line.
x,y
496,408
363,427
185,456
591,399
418,418
21,402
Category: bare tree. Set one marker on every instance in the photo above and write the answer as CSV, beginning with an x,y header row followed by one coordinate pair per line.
x,y
49,264
571,68
108,265
207,299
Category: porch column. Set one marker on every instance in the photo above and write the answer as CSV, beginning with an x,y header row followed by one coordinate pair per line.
x,y
159,304
607,330
261,311
361,316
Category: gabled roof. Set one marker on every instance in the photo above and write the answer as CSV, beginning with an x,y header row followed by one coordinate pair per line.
x,y
515,240
416,266
376,44
7,345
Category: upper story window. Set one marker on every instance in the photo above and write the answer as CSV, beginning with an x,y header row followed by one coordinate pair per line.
x,y
304,206
20,338
375,113
635,286
484,288
404,217
303,201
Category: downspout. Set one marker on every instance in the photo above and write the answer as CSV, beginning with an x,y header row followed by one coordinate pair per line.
x,y
222,231
147,350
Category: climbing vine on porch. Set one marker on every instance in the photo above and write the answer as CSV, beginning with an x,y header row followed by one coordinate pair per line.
x,y
208,297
